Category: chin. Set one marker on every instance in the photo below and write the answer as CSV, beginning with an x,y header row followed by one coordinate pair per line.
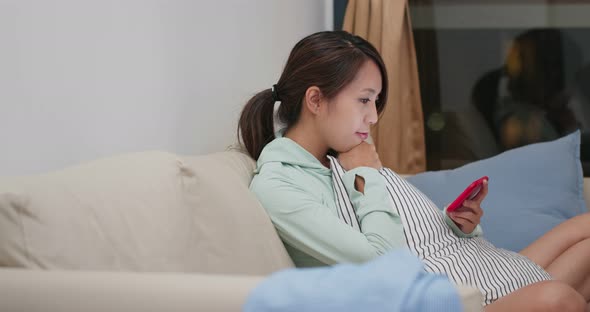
x,y
342,148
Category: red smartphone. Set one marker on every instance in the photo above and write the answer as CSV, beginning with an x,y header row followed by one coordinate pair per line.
x,y
469,193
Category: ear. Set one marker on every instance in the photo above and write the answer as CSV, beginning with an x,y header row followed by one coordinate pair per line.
x,y
313,99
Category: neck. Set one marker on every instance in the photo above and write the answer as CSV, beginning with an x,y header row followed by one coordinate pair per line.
x,y
307,137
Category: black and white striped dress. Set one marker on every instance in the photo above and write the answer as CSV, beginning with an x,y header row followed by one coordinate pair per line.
x,y
496,272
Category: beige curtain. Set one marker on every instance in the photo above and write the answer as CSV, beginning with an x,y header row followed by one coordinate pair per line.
x,y
399,134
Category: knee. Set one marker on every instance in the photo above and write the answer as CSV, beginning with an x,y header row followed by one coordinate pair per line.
x,y
558,296
583,219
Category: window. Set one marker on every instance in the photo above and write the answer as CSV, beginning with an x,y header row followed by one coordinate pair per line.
x,y
499,74
496,75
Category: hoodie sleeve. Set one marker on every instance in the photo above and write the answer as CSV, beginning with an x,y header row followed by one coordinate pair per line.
x,y
373,199
304,222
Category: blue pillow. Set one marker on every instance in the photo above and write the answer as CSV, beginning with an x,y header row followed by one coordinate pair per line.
x,y
531,190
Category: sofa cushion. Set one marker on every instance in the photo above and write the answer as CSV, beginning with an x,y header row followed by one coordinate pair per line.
x,y
150,211
531,190
233,231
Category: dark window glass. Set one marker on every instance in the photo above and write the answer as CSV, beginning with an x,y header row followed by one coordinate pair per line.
x,y
496,75
499,74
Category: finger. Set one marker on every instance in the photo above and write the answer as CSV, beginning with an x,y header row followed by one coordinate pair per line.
x,y
473,206
482,193
471,217
476,212
461,220
461,214
467,213
368,146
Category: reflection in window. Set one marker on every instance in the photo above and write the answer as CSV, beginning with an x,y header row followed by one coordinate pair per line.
x,y
525,100
499,75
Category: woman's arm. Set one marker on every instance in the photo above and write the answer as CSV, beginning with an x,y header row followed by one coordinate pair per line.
x,y
306,223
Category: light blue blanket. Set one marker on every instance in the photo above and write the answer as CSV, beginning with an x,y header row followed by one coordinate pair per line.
x,y
393,282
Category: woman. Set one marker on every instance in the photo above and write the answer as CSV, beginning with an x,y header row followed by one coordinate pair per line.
x,y
331,91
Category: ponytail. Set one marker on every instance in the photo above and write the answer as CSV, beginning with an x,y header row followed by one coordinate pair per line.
x,y
256,126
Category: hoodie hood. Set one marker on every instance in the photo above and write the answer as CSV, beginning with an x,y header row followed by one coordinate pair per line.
x,y
286,151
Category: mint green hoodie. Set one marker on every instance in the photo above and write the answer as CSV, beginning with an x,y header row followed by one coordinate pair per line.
x,y
296,191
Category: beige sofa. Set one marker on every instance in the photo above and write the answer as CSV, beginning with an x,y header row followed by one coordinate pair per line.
x,y
148,231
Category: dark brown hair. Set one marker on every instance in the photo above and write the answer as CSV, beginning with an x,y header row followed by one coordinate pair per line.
x,y
328,60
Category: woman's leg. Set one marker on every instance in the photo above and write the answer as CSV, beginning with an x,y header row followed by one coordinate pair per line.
x,y
565,253
543,296
586,287
573,267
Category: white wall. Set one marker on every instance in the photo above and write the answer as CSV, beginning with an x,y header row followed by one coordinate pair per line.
x,y
83,79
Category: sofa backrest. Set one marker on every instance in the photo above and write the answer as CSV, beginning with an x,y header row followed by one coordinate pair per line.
x,y
150,211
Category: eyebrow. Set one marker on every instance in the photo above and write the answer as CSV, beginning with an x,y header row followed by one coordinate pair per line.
x,y
369,89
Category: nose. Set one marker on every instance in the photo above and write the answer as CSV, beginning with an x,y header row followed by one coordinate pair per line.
x,y
372,115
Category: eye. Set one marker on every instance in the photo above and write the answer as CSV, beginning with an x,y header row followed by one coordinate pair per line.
x,y
365,100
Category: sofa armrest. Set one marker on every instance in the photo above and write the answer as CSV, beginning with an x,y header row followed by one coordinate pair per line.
x,y
23,290
64,291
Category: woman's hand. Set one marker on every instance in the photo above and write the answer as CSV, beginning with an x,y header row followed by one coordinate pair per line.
x,y
362,155
468,216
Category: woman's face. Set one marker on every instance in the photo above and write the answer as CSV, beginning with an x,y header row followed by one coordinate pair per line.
x,y
346,119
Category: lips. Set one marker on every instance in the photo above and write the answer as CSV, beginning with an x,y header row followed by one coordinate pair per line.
x,y
363,135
